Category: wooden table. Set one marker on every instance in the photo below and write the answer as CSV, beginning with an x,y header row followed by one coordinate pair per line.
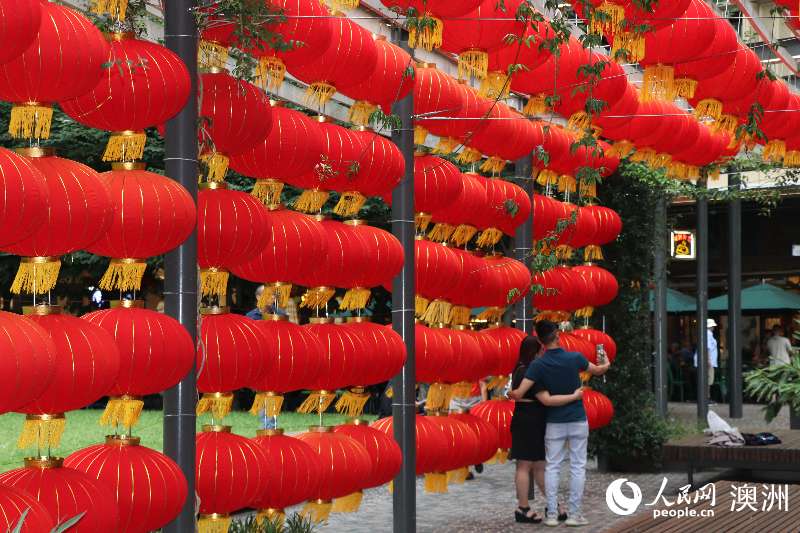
x,y
724,520
693,453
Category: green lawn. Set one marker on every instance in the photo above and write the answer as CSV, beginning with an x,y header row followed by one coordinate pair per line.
x,y
83,430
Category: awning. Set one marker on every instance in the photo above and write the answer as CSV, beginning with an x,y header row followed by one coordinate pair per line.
x,y
677,302
760,297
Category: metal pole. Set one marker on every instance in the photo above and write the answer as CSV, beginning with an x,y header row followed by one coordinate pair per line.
x,y
180,282
735,300
523,246
702,303
660,308
404,506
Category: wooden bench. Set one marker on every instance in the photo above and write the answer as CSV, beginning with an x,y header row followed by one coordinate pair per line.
x,y
692,453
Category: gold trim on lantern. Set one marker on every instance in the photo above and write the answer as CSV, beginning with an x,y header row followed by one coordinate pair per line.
x,y
214,310
122,440
216,428
35,152
269,432
41,310
44,463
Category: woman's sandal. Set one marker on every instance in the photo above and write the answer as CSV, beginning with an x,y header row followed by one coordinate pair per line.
x,y
521,515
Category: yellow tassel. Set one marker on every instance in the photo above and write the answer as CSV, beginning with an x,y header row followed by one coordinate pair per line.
x,y
567,183
213,524
269,402
274,293
497,382
317,297
439,395
500,457
792,159
217,403
446,145
348,504
564,252
593,253
36,275
420,134
420,305
30,121
468,156
44,431
213,282
462,389
658,83
708,109
123,274
350,203
360,112
662,160
317,402
318,94
311,200
692,172
463,234
351,403
270,73
685,87
437,312
536,105
431,35
473,63
611,22
436,482
317,511
774,151
389,392
579,121
441,232
588,190
421,221
496,85
459,315
644,155
546,177
585,312
217,165
494,165
489,237
491,314
212,55
125,146
122,411
268,191
631,44
355,298
622,148
341,5
114,8
458,476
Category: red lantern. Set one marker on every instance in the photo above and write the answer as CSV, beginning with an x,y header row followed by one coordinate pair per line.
x,y
346,467
65,60
436,184
429,440
598,337
230,474
491,352
291,149
457,220
609,226
152,215
434,358
714,60
149,487
509,340
462,444
488,437
292,473
27,359
232,354
390,82
468,110
629,43
19,25
87,364
382,448
498,80
232,227
737,81
576,344
79,212
156,352
296,242
348,60
546,211
437,273
561,289
385,255
14,503
504,282
436,95
555,78
507,206
498,414
463,295
144,85
24,205
468,362
604,284
599,409
434,13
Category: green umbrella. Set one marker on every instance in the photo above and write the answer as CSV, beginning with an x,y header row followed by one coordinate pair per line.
x,y
760,297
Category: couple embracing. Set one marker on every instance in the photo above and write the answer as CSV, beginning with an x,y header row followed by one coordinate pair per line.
x,y
549,423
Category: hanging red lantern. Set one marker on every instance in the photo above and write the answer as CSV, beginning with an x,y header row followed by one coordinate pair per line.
x,y
604,284
556,144
296,242
292,476
19,25
14,503
437,183
346,467
87,363
467,110
66,493
465,294
148,486
546,211
392,79
498,414
156,352
79,212
508,206
230,474
488,437
292,148
385,260
584,231
504,282
506,135
436,95
557,289
629,41
152,215
232,227
737,81
576,344
456,221
599,409
24,205
437,274
27,359
232,354
434,358
617,115
715,60
462,444
609,226
467,365
64,60
433,15
597,337
382,448
145,85
349,59
509,340
491,352
498,80
429,440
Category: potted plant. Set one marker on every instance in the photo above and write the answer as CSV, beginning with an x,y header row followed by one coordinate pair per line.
x,y
778,386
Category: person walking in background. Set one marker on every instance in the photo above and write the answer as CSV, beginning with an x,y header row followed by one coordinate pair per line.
x,y
779,347
557,373
713,351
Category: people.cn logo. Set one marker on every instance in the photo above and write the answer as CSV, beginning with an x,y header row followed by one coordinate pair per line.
x,y
618,502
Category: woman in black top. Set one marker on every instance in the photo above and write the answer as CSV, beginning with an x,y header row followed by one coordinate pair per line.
x,y
528,428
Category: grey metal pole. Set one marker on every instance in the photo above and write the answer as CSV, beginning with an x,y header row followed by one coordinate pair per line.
x,y
735,300
660,308
404,497
523,246
702,303
180,282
